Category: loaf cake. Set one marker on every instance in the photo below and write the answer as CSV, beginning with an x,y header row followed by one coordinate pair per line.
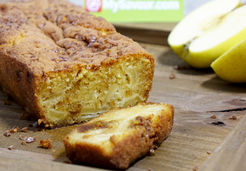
x,y
65,65
117,138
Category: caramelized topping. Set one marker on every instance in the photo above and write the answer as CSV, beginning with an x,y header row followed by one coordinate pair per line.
x,y
59,34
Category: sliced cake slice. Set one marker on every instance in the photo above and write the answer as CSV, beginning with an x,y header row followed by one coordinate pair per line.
x,y
119,137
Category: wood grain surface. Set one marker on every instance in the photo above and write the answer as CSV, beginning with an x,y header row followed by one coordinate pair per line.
x,y
231,154
195,141
152,33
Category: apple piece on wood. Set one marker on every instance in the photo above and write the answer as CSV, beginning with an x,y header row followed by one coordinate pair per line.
x,y
231,66
209,31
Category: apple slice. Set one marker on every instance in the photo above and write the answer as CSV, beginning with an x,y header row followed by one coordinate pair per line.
x,y
208,32
231,66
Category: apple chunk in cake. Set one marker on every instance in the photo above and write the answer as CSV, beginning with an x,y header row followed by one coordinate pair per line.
x,y
74,96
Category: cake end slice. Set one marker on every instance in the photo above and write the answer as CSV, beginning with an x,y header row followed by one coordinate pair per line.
x,y
117,138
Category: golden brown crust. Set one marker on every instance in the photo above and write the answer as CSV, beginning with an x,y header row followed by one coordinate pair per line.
x,y
38,38
61,36
19,82
146,136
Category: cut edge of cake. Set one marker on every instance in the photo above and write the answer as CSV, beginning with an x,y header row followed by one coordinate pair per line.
x,y
87,92
119,137
51,57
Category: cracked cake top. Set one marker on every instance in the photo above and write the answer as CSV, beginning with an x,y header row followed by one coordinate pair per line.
x,y
53,35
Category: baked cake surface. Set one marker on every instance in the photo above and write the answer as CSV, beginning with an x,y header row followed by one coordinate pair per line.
x,y
65,65
117,138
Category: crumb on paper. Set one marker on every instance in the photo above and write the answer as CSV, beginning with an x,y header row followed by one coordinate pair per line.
x,y
7,133
233,117
26,139
23,143
30,139
11,147
195,168
172,76
14,129
209,152
21,137
45,144
213,117
151,152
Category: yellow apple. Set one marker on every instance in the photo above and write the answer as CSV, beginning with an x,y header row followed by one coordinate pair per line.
x,y
231,66
209,31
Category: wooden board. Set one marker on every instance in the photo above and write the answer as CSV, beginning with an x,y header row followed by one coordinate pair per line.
x,y
195,94
153,33
231,154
